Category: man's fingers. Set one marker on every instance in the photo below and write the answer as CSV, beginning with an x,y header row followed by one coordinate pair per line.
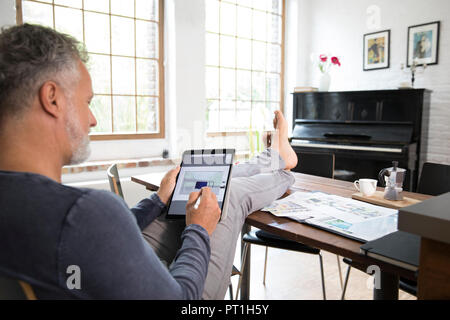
x,y
193,196
208,196
176,169
173,173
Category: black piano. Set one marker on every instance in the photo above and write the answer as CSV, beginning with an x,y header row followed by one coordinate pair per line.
x,y
365,130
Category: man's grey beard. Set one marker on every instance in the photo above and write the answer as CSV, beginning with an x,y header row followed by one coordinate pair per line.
x,y
81,152
78,139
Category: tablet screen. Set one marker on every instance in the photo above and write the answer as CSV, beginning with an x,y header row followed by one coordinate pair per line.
x,y
201,168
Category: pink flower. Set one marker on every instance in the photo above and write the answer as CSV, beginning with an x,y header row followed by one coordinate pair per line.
x,y
323,58
335,60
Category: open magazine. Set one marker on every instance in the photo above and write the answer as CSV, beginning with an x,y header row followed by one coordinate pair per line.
x,y
351,218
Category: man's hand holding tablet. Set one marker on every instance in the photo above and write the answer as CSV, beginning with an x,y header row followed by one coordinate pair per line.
x,y
207,214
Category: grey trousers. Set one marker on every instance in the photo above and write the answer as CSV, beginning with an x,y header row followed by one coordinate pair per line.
x,y
254,185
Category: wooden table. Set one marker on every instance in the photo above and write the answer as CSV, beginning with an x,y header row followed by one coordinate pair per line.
x,y
315,237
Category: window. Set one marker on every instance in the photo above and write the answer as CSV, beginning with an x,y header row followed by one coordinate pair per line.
x,y
127,75
244,63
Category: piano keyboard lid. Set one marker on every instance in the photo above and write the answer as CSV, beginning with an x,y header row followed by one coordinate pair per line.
x,y
360,133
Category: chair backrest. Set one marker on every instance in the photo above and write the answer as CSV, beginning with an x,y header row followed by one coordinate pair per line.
x,y
11,289
434,179
114,180
318,164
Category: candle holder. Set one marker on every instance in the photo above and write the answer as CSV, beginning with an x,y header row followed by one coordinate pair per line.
x,y
414,68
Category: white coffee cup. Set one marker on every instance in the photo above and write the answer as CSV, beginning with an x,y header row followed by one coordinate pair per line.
x,y
366,186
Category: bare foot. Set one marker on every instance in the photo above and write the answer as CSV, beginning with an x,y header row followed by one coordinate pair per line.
x,y
281,143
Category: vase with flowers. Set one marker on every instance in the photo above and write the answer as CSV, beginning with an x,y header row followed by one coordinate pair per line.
x,y
325,62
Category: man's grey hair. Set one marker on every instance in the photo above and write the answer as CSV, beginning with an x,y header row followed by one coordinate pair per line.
x,y
30,55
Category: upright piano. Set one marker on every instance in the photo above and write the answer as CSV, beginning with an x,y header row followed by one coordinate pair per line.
x,y
365,130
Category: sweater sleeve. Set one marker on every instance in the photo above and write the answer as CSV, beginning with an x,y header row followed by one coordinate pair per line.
x,y
148,210
101,238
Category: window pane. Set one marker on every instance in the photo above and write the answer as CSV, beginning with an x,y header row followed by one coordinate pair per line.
x,y
275,6
97,35
212,115
212,16
258,115
146,39
38,13
122,36
244,54
228,51
147,77
272,107
259,25
258,86
274,28
70,3
212,49
260,4
124,114
259,56
69,21
273,58
273,87
249,61
101,108
227,18
244,22
212,83
227,84
123,7
227,115
122,39
244,83
100,70
97,5
147,114
246,3
123,75
243,114
147,9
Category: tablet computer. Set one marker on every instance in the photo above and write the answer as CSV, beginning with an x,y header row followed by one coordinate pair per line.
x,y
202,168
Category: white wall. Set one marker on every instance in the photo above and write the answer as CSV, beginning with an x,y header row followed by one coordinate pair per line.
x,y
338,26
7,12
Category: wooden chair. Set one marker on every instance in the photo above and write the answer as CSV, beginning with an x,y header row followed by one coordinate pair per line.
x,y
320,164
11,289
434,180
114,180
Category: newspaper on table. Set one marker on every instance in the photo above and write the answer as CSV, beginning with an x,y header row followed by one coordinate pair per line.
x,y
351,218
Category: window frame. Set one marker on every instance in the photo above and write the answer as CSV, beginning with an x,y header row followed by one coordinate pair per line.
x,y
161,79
243,132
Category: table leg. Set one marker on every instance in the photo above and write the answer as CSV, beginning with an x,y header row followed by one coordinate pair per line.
x,y
388,287
245,286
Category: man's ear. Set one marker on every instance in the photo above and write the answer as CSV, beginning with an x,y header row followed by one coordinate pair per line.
x,y
51,98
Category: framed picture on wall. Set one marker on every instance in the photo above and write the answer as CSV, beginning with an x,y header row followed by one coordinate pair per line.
x,y
377,50
423,43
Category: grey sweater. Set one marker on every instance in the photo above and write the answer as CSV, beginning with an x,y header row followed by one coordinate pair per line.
x,y
48,230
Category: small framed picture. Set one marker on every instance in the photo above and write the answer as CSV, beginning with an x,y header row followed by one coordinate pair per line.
x,y
377,50
423,43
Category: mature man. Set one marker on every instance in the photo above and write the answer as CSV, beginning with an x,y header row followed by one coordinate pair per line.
x,y
48,230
